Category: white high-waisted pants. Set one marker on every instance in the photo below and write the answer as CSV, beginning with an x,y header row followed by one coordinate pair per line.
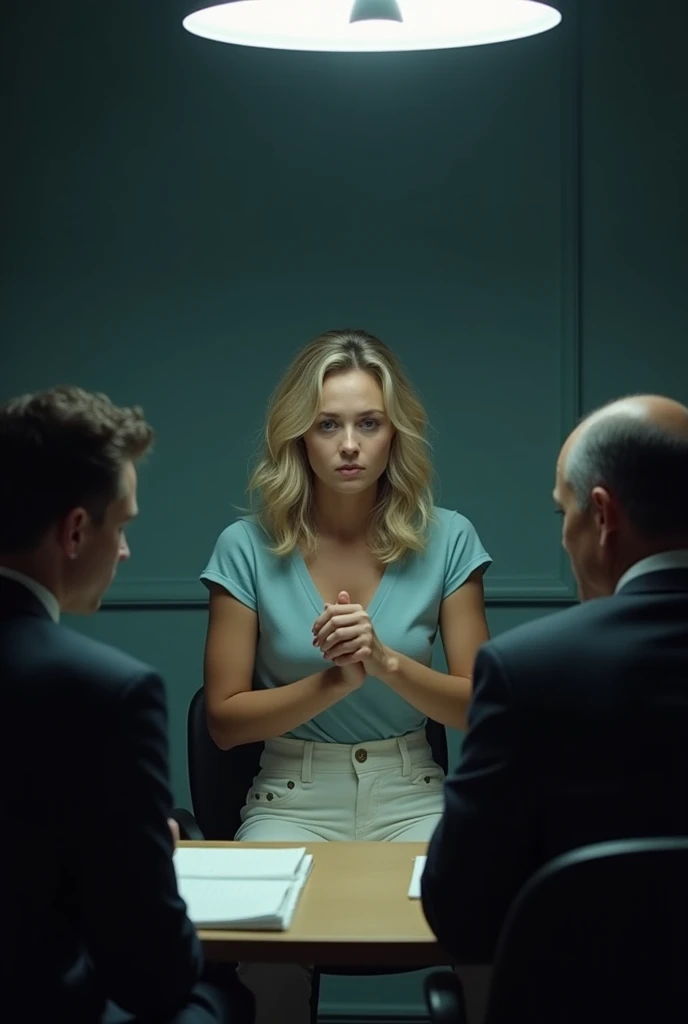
x,y
389,790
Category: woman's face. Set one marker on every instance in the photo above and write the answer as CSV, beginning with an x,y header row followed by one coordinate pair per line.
x,y
349,443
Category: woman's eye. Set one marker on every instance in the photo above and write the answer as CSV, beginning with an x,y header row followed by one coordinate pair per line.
x,y
327,425
370,424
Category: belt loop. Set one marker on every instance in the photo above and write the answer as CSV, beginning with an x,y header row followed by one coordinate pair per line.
x,y
307,763
405,759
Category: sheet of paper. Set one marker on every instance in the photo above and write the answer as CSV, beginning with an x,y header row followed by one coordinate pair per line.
x,y
295,890
414,887
238,863
252,905
220,903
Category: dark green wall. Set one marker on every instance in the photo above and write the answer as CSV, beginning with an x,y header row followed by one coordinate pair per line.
x,y
181,216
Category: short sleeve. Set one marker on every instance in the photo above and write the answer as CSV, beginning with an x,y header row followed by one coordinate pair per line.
x,y
465,553
233,564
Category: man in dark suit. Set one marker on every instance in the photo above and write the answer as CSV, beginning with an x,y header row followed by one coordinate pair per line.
x,y
94,927
578,728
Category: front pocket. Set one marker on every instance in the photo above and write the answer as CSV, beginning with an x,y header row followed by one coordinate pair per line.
x,y
431,777
272,791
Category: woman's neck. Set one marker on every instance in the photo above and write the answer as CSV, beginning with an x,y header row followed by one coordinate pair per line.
x,y
343,518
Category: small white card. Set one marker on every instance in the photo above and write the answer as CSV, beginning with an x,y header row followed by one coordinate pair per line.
x,y
414,887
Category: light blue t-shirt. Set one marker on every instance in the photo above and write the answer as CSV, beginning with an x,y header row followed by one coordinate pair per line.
x,y
404,611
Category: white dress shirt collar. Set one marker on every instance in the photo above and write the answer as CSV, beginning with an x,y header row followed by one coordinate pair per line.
x,y
47,599
654,563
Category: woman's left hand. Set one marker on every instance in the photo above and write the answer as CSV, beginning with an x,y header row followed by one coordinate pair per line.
x,y
345,634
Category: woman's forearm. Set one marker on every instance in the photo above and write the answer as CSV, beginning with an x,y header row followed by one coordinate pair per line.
x,y
253,715
438,695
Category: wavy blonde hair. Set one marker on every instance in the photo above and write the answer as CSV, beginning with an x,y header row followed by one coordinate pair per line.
x,y
283,479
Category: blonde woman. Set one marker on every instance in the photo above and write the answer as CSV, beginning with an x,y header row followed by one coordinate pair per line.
x,y
323,612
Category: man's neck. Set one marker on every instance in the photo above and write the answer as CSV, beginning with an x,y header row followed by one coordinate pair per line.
x,y
645,549
30,582
32,566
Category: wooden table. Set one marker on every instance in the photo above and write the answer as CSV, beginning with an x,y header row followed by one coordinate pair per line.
x,y
354,910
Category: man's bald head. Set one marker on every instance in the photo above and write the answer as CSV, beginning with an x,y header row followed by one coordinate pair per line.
x,y
637,449
663,413
622,487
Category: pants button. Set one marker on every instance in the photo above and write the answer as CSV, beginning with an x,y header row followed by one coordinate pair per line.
x,y
269,796
290,785
361,755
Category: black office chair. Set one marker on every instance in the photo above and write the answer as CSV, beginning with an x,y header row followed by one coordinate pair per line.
x,y
219,781
598,935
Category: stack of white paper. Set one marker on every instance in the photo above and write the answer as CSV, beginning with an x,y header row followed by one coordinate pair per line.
x,y
241,888
414,887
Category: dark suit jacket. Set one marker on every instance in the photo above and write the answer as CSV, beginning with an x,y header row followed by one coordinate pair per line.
x,y
90,908
578,733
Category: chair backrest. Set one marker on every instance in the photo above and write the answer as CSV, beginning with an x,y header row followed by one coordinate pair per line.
x,y
599,935
437,738
220,779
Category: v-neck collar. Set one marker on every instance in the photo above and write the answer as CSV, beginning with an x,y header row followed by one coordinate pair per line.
x,y
316,597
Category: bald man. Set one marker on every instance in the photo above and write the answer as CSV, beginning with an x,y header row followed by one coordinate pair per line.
x,y
578,728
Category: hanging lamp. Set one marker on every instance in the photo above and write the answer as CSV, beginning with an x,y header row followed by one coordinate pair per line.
x,y
371,25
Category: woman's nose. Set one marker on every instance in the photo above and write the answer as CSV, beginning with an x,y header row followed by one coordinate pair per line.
x,y
349,443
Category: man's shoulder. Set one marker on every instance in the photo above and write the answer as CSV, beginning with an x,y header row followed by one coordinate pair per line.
x,y
554,635
102,659
75,690
66,659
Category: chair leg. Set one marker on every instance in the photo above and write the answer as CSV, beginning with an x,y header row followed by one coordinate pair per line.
x,y
315,994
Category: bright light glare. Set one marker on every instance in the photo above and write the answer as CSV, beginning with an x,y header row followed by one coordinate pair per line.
x,y
324,24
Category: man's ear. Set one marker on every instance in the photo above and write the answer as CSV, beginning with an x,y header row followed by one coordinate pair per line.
x,y
72,532
605,510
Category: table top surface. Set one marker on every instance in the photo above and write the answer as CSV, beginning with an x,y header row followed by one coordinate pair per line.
x,y
354,910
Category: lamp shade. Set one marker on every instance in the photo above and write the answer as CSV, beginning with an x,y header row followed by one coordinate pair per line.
x,y
329,25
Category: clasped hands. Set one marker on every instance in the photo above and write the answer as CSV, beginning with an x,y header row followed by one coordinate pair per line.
x,y
345,635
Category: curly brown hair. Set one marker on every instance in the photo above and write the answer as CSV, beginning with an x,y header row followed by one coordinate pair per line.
x,y
60,449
